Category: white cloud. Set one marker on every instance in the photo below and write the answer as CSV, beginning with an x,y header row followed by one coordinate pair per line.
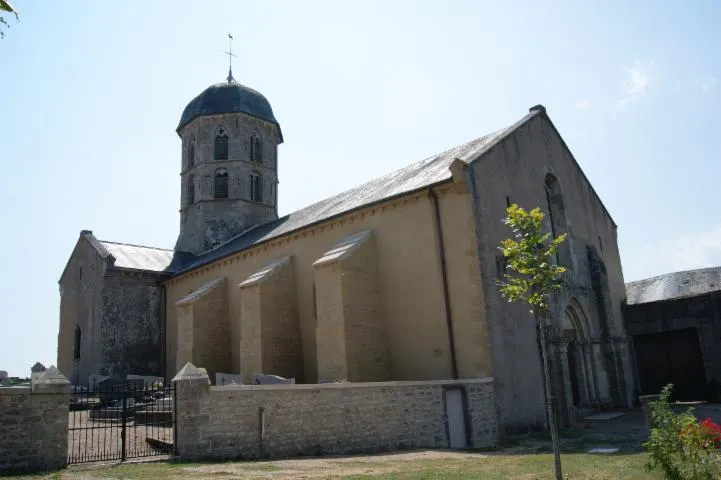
x,y
583,103
686,252
635,85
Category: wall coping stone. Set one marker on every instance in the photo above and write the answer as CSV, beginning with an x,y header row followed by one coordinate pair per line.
x,y
329,386
24,390
191,372
51,381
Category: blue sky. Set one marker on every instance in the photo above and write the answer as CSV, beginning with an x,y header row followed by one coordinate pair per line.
x,y
92,92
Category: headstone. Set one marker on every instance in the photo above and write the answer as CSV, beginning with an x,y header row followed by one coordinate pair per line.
x,y
149,380
261,379
228,379
94,380
36,371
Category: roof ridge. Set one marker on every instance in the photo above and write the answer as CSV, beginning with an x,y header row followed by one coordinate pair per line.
x,y
674,273
139,246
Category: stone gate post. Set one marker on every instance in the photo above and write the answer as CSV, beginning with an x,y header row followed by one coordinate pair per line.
x,y
192,387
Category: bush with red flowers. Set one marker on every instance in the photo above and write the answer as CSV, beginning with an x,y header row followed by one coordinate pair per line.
x,y
683,447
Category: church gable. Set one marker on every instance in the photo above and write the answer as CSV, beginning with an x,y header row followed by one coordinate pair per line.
x,y
351,330
269,329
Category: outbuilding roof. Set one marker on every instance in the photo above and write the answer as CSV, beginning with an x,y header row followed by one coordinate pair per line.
x,y
672,286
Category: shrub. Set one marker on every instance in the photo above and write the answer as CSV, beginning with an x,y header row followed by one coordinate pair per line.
x,y
681,446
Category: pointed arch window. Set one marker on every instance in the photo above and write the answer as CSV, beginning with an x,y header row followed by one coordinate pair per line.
x,y
220,183
256,187
221,148
191,189
191,153
256,148
557,218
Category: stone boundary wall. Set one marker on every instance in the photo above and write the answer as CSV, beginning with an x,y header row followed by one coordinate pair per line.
x,y
34,424
272,421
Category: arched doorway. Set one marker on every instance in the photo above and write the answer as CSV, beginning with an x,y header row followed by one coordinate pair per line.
x,y
575,357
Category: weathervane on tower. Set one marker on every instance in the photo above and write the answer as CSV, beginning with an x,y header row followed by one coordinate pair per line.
x,y
230,58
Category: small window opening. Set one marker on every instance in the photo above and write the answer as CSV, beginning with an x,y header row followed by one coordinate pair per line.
x,y
220,185
256,187
508,201
191,189
221,145
191,153
76,343
80,274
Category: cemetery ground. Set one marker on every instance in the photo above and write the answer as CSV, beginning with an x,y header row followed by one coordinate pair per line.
x,y
526,457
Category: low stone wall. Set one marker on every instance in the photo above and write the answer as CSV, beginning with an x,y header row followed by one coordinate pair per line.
x,y
271,421
34,425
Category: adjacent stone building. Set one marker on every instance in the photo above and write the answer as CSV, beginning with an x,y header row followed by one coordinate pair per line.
x,y
675,323
394,280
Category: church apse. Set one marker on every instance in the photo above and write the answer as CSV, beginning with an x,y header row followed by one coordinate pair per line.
x,y
270,333
351,330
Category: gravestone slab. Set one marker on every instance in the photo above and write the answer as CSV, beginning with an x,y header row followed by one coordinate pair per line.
x,y
262,379
228,379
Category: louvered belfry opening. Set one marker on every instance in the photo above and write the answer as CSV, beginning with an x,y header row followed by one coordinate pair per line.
x,y
256,187
220,185
221,145
256,149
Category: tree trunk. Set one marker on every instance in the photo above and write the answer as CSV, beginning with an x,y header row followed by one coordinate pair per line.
x,y
550,400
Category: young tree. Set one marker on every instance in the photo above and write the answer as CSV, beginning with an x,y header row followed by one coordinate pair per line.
x,y
530,277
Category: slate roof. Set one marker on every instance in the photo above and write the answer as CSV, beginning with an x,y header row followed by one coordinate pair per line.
x,y
672,286
137,257
228,97
417,176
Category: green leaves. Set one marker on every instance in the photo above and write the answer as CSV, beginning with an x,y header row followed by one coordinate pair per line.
x,y
530,274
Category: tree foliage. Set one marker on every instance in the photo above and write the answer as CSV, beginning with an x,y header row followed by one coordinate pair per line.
x,y
5,7
530,275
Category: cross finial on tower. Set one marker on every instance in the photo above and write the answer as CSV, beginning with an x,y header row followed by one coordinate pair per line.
x,y
230,58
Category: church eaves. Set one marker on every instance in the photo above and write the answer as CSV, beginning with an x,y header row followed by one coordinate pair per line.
x,y
415,177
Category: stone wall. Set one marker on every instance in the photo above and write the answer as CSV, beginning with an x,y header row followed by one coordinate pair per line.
x,y
271,421
130,340
34,422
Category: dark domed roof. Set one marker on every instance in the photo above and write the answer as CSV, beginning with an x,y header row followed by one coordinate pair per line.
x,y
227,97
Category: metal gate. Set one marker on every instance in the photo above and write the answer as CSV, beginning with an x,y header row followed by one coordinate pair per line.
x,y
120,419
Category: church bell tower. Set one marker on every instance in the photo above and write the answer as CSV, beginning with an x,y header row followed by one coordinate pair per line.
x,y
229,166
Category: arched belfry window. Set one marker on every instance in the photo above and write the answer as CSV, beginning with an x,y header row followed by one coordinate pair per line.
x,y
221,145
76,342
191,189
557,218
220,183
256,187
256,148
191,153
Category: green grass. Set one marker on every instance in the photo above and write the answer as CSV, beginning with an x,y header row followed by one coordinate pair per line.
x,y
470,466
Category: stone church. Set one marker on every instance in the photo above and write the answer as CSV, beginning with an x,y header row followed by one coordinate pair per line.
x,y
392,280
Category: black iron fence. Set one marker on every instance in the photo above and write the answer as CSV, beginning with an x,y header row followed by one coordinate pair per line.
x,y
120,419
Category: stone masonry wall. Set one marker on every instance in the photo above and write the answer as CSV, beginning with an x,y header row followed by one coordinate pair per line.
x,y
130,339
271,421
34,422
